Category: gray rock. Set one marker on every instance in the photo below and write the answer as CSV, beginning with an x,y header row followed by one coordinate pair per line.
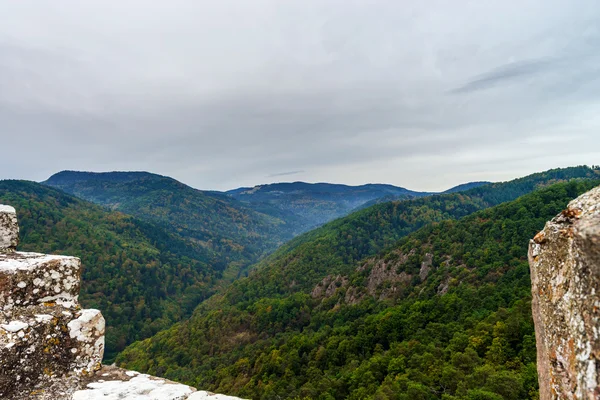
x,y
9,229
426,266
565,271
44,333
33,278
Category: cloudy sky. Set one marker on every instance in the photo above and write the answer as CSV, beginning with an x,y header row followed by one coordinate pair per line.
x,y
219,94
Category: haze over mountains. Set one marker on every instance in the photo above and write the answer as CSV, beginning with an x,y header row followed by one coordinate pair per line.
x,y
318,203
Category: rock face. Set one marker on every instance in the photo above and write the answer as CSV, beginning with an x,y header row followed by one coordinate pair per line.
x,y
44,333
9,229
52,349
565,271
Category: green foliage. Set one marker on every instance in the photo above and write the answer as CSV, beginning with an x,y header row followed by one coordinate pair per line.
x,y
236,235
266,337
337,246
142,277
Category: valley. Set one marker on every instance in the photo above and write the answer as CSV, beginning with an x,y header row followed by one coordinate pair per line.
x,y
223,294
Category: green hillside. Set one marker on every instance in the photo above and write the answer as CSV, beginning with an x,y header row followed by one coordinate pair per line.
x,y
237,234
142,277
442,313
338,245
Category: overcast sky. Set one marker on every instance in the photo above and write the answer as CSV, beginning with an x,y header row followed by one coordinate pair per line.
x,y
219,94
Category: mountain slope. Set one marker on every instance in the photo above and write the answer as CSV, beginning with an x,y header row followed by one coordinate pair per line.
x,y
318,203
391,197
466,186
236,234
336,246
142,277
308,322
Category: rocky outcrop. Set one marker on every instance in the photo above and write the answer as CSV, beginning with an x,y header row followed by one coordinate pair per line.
x,y
426,266
44,333
383,273
565,272
51,348
384,279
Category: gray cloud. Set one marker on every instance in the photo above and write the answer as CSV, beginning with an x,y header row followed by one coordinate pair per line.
x,y
287,173
505,74
220,94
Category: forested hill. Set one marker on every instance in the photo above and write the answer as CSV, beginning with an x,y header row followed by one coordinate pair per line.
x,y
391,197
237,234
318,203
335,247
442,313
142,277
466,186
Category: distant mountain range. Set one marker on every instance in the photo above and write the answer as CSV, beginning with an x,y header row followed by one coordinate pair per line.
x,y
318,203
294,207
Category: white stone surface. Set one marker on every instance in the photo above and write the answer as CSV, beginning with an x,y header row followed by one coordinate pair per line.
x,y
141,387
14,326
25,261
7,209
88,329
9,228
202,395
89,320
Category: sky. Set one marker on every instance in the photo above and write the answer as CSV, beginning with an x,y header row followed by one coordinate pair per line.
x,y
221,94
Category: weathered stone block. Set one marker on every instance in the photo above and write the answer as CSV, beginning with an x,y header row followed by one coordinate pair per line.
x,y
88,332
565,273
42,344
9,229
33,278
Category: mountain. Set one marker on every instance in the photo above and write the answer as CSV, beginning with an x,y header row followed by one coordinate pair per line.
x,y
236,234
271,213
467,186
392,197
141,276
441,312
318,203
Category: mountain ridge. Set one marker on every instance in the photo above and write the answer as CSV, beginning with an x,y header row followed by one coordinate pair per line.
x,y
300,206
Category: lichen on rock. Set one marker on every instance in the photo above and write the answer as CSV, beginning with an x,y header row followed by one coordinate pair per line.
x,y
9,229
565,272
39,313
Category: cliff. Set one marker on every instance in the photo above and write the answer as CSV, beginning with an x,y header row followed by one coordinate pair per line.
x,y
565,272
51,348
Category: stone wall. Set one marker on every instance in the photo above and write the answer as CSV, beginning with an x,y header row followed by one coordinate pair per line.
x,y
565,272
51,348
